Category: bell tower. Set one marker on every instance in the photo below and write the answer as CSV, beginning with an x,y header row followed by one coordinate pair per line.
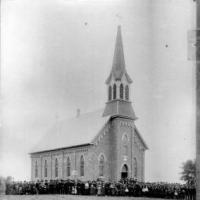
x,y
118,85
126,158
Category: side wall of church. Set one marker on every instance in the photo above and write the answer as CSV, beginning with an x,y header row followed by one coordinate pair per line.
x,y
139,155
109,143
61,156
35,160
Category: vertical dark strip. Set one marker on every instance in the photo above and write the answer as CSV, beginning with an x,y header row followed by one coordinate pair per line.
x,y
132,132
198,104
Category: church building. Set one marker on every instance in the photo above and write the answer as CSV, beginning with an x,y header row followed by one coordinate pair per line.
x,y
102,144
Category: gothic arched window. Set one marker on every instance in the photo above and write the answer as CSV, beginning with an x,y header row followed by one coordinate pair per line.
x,y
81,166
45,168
56,167
121,91
124,172
135,167
127,92
101,166
68,167
110,93
125,145
36,169
114,91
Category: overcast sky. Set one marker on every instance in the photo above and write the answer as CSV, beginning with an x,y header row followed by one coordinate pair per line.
x,y
57,54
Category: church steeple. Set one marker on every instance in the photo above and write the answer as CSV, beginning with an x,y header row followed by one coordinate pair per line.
x,y
118,65
118,84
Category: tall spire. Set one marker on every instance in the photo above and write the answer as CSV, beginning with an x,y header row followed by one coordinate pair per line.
x,y
118,103
118,65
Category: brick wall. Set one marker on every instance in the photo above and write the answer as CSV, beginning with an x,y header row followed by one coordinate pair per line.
x,y
122,127
108,143
102,146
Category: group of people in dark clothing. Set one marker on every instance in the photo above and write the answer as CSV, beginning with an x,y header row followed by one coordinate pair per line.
x,y
124,187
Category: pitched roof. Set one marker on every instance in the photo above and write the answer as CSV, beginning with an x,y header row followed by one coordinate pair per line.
x,y
76,131
118,66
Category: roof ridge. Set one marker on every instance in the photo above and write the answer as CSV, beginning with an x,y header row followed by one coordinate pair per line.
x,y
86,113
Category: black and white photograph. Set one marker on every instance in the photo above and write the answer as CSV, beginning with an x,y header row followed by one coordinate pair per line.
x,y
99,99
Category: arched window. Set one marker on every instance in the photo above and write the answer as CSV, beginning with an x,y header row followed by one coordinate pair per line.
x,y
127,92
114,91
36,169
101,166
124,172
81,166
135,167
45,168
110,93
56,167
68,167
125,145
121,91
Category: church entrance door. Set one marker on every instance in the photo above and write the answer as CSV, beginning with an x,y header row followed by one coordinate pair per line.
x,y
124,172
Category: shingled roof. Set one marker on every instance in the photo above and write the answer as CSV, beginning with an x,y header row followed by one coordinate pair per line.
x,y
73,132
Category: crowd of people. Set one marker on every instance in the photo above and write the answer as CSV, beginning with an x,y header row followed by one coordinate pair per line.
x,y
125,187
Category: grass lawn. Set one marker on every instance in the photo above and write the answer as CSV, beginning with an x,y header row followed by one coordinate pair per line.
x,y
68,197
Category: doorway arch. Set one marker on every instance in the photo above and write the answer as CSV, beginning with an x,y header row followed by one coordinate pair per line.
x,y
124,172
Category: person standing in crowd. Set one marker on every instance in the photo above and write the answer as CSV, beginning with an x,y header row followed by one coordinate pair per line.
x,y
87,188
122,188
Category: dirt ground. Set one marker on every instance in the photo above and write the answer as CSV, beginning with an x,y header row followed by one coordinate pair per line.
x,y
68,197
